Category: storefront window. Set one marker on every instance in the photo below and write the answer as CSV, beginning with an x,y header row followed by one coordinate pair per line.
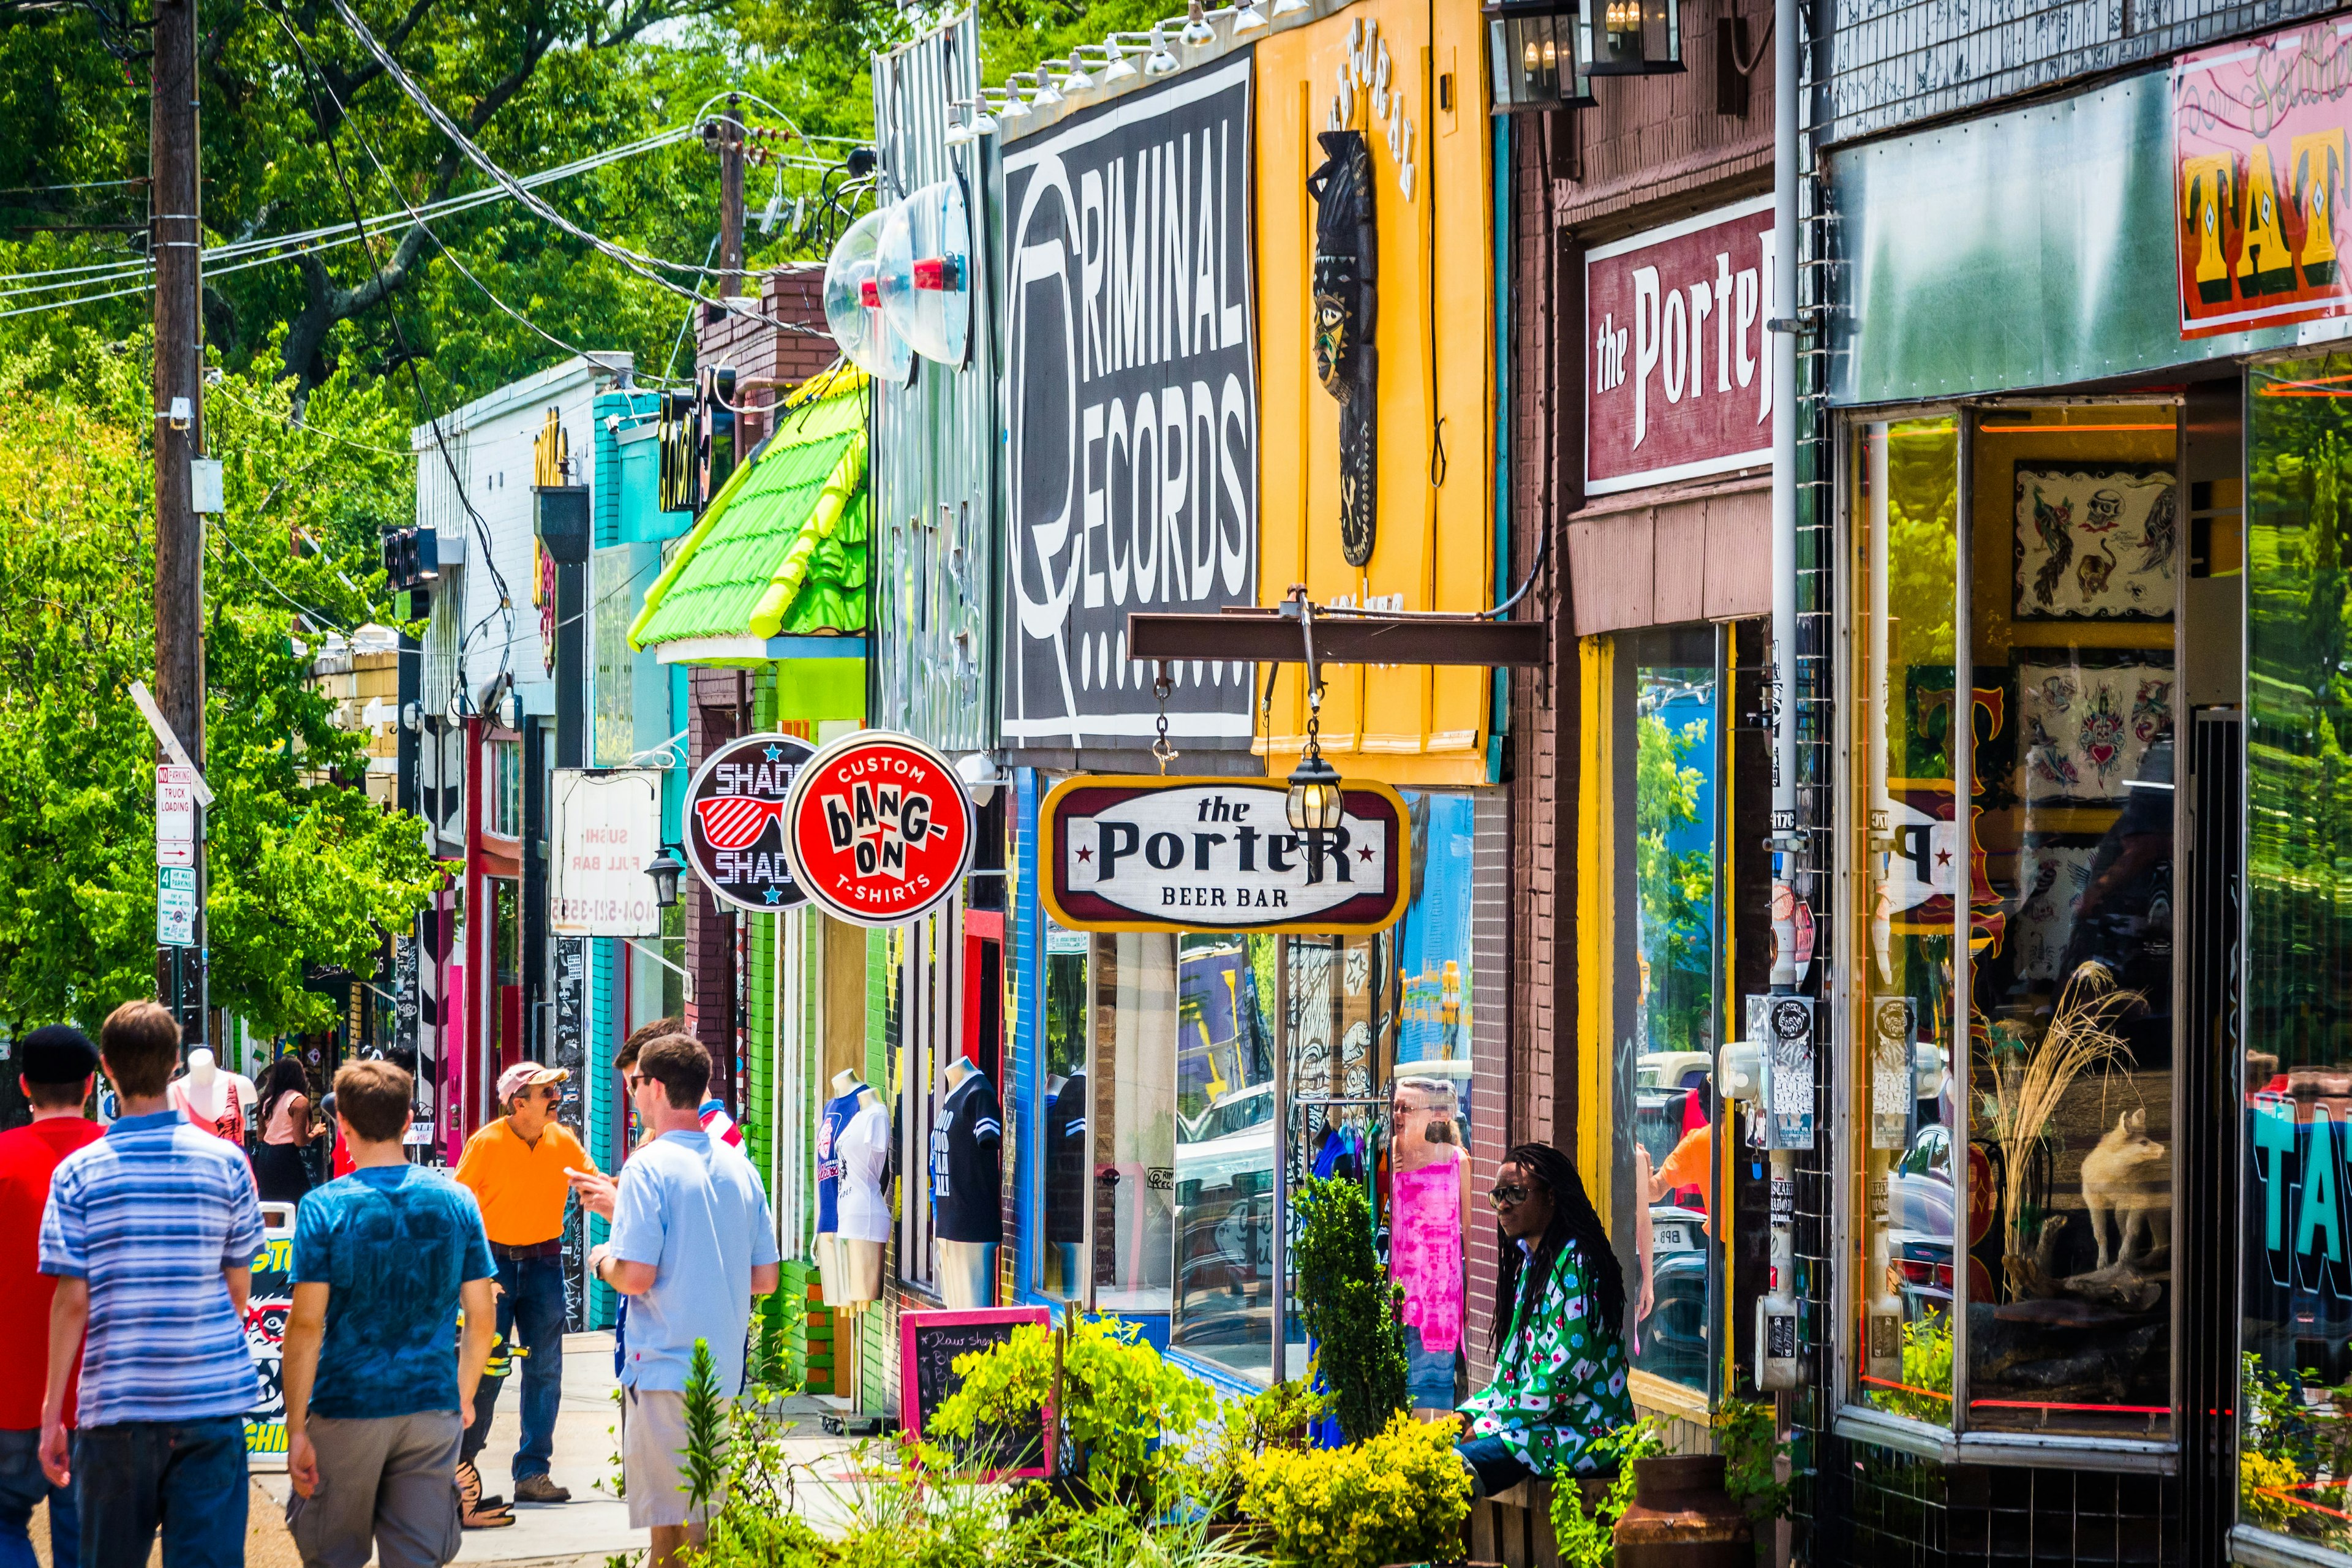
x,y
2296,1421
2074,552
1904,538
1063,1159
1137,996
1223,1126
1665,756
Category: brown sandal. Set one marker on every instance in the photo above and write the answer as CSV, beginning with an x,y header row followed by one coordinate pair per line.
x,y
474,1511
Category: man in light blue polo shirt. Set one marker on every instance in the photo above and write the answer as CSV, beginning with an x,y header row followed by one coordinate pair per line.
x,y
151,1232
692,1244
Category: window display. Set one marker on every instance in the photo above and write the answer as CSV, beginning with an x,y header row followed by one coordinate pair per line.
x,y
1222,1309
2033,822
2075,549
1904,541
1136,1025
1666,751
1061,1163
2296,1414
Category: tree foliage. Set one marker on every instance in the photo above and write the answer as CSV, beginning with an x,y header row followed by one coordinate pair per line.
x,y
307,873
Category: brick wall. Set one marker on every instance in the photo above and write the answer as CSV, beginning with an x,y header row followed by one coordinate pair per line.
x,y
1656,141
762,355
717,708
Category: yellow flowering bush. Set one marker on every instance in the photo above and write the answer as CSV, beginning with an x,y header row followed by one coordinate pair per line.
x,y
2259,1480
1399,1497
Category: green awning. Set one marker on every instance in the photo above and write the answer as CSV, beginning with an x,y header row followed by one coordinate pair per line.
x,y
781,549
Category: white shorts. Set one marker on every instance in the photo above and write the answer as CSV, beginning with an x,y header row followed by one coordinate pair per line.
x,y
653,1459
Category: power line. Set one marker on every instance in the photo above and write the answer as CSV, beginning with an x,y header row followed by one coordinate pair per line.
x,y
351,117
644,266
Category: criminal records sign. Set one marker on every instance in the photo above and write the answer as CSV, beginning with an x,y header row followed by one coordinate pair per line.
x,y
1133,388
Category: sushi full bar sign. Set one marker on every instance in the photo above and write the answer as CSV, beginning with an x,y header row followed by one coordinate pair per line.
x,y
2261,130
1124,853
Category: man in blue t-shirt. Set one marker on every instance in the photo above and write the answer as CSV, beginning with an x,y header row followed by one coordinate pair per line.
x,y
377,1395
692,1243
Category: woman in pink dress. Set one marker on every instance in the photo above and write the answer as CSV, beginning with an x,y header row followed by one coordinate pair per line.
x,y
1429,1209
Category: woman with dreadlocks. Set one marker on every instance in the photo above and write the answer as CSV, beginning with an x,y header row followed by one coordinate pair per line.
x,y
1560,1347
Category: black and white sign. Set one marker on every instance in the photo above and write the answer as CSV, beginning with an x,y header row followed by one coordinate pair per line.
x,y
1133,383
607,831
1202,854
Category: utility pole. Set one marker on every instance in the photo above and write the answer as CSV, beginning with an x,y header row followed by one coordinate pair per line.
x,y
176,241
731,198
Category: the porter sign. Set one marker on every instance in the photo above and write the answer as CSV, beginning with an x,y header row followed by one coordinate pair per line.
x,y
1199,854
1133,460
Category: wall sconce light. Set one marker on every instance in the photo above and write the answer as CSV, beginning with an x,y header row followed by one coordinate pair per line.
x,y
1632,38
1538,57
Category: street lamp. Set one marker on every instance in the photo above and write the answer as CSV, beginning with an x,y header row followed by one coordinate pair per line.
x,y
1314,803
664,871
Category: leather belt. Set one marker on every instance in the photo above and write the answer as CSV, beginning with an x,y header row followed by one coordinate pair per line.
x,y
536,1250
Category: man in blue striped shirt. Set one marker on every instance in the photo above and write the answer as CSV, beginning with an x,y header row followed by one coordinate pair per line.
x,y
152,1232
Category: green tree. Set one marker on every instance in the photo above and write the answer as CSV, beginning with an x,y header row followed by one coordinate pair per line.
x,y
306,871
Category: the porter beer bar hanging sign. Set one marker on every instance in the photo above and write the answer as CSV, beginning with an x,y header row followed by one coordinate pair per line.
x,y
1124,853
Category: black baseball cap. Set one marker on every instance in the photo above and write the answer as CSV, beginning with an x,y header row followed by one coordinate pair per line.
x,y
55,1055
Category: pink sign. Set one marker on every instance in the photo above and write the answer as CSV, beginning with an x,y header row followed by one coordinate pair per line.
x,y
2260,143
1679,381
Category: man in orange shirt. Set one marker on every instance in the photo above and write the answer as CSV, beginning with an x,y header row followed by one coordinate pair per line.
x,y
54,1065
515,1167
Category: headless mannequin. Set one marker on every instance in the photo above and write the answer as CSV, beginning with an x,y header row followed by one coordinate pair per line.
x,y
849,1258
967,1269
215,1100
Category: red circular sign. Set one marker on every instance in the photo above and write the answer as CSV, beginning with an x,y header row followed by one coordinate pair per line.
x,y
878,828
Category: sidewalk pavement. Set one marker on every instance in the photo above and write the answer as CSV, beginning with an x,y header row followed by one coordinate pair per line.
x,y
580,1533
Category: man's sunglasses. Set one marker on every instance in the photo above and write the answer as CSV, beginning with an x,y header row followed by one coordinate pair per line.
x,y
1509,1196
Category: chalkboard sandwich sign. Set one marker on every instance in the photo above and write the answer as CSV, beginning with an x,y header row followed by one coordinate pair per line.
x,y
928,1344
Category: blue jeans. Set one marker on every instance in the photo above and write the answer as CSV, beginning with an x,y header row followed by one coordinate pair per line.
x,y
1493,1467
21,1488
189,1476
535,1288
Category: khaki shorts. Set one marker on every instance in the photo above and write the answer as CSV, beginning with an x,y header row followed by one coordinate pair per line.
x,y
387,1487
653,1459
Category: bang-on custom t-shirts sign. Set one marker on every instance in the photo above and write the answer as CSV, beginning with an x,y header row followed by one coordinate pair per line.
x,y
1133,458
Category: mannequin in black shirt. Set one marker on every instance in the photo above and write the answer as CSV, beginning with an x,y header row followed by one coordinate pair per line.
x,y
967,1186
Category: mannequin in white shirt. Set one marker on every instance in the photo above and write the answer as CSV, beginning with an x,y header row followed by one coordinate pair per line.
x,y
214,1100
849,1258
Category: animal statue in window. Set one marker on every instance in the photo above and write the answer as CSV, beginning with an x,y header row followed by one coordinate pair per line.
x,y
2129,1177
1345,309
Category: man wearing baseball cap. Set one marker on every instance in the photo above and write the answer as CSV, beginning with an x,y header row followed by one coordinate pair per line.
x,y
54,1064
516,1168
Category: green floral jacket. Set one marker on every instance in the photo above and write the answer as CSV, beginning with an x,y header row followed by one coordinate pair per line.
x,y
1559,1382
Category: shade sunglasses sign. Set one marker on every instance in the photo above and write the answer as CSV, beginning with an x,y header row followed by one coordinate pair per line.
x,y
1124,853
733,816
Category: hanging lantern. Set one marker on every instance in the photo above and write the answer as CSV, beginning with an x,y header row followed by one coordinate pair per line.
x,y
1538,58
1632,38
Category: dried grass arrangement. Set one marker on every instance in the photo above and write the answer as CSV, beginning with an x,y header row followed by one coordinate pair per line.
x,y
2029,1083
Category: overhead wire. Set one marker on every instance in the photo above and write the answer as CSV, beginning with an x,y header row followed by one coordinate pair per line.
x,y
351,117
649,268
312,79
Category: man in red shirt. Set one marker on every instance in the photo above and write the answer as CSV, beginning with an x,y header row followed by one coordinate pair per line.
x,y
54,1068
